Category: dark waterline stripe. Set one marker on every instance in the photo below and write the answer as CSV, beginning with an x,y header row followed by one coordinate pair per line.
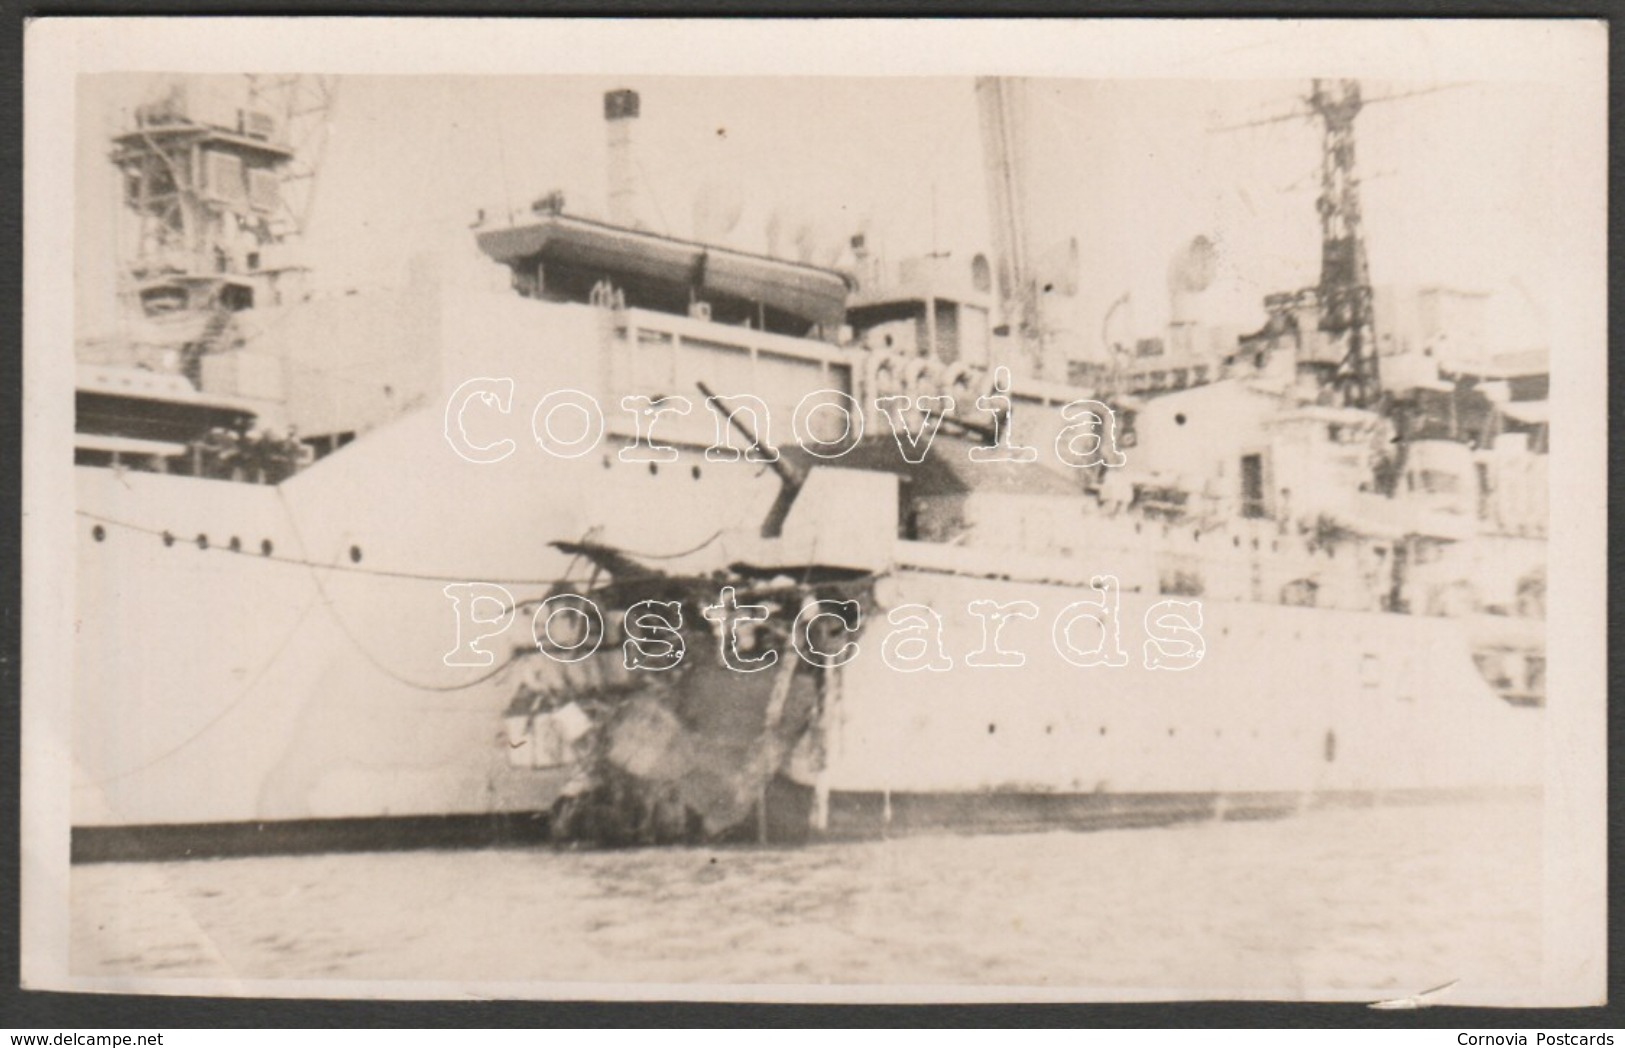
x,y
852,816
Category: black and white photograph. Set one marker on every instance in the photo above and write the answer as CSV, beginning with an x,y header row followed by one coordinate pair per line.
x,y
1059,511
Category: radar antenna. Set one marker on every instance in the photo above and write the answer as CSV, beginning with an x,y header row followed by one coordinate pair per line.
x,y
303,106
1344,291
217,168
1345,275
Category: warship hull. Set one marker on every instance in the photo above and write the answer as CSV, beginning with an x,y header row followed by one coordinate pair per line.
x,y
263,668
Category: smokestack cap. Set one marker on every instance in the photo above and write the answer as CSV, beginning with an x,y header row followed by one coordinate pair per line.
x,y
620,105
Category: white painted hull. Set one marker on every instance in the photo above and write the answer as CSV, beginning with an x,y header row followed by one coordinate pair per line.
x,y
1285,700
214,686
219,686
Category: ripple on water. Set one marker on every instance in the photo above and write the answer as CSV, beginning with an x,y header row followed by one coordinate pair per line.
x,y
1327,903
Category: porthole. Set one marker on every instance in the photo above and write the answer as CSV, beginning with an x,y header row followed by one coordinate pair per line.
x,y
235,545
1179,419
1102,729
654,469
991,728
99,533
607,461
202,541
169,539
355,554
1172,732
266,547
696,472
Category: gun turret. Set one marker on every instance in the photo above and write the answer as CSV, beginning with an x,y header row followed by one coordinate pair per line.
x,y
791,475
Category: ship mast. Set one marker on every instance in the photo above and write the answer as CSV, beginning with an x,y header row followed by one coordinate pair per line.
x,y
1344,291
1003,105
303,108
208,170
1345,277
1037,266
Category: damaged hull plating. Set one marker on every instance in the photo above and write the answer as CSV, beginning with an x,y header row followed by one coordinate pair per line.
x,y
1291,708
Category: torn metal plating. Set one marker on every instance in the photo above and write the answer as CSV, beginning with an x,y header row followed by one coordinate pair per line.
x,y
687,751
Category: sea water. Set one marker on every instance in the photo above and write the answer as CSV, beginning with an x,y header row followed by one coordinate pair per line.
x,y
1327,903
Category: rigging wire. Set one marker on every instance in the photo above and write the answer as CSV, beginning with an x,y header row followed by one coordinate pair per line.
x,y
321,594
411,576
248,689
495,110
567,579
354,569
717,534
355,642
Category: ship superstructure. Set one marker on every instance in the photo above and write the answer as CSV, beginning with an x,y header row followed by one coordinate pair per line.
x,y
301,666
215,367
1297,489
